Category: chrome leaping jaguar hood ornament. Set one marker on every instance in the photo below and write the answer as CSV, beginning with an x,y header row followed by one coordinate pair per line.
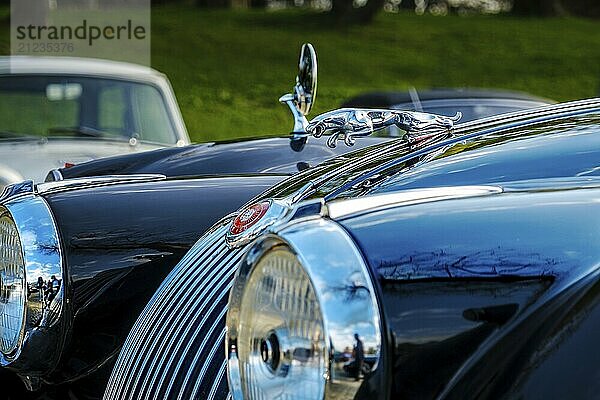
x,y
348,123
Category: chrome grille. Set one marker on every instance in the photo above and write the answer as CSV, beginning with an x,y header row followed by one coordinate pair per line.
x,y
176,348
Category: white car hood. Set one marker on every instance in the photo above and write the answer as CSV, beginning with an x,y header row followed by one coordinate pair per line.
x,y
32,159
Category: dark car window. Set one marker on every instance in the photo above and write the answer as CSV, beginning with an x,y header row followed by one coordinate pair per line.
x,y
33,105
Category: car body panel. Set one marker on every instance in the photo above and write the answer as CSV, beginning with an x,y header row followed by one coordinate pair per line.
x,y
373,169
146,228
123,240
108,291
519,245
267,155
275,154
562,150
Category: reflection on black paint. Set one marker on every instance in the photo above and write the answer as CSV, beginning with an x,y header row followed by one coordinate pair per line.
x,y
438,325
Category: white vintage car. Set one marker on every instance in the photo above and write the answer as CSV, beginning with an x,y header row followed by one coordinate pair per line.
x,y
59,110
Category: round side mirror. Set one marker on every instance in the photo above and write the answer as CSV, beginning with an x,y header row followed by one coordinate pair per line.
x,y
305,90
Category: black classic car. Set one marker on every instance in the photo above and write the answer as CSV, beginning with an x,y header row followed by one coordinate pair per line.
x,y
472,103
102,243
464,259
82,256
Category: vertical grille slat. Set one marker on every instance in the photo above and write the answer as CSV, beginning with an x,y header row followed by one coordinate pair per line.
x,y
143,328
176,347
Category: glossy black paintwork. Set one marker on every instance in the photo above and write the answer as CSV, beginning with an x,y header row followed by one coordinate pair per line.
x,y
268,155
548,353
512,279
565,147
490,152
439,324
139,204
555,149
566,343
455,274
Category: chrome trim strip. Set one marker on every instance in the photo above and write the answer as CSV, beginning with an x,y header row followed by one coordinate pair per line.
x,y
44,279
528,113
95,181
494,124
178,317
216,348
346,207
222,372
17,189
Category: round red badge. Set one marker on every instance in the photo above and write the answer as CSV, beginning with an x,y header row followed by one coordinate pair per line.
x,y
249,217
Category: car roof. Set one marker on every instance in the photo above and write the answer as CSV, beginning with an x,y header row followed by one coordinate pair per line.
x,y
76,66
387,99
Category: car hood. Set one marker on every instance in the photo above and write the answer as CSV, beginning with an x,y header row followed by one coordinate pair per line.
x,y
250,156
32,159
551,142
548,142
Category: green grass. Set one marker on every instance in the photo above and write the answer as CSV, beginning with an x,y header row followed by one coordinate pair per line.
x,y
228,68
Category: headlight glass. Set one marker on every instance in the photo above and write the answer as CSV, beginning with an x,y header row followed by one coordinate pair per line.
x,y
281,339
303,319
12,286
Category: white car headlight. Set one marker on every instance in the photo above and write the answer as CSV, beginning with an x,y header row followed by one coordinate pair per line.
x,y
282,341
301,306
12,286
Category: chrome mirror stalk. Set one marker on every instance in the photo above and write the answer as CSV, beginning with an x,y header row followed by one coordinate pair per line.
x,y
302,99
300,121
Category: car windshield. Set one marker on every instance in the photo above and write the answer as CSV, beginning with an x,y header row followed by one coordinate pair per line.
x,y
67,106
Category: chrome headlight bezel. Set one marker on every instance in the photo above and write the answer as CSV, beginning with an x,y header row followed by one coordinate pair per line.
x,y
41,333
336,269
12,285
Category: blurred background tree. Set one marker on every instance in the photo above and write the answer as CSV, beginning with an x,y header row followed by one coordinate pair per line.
x,y
538,8
228,61
363,11
551,8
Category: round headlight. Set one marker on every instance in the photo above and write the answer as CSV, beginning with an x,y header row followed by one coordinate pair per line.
x,y
31,277
281,333
303,319
12,286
